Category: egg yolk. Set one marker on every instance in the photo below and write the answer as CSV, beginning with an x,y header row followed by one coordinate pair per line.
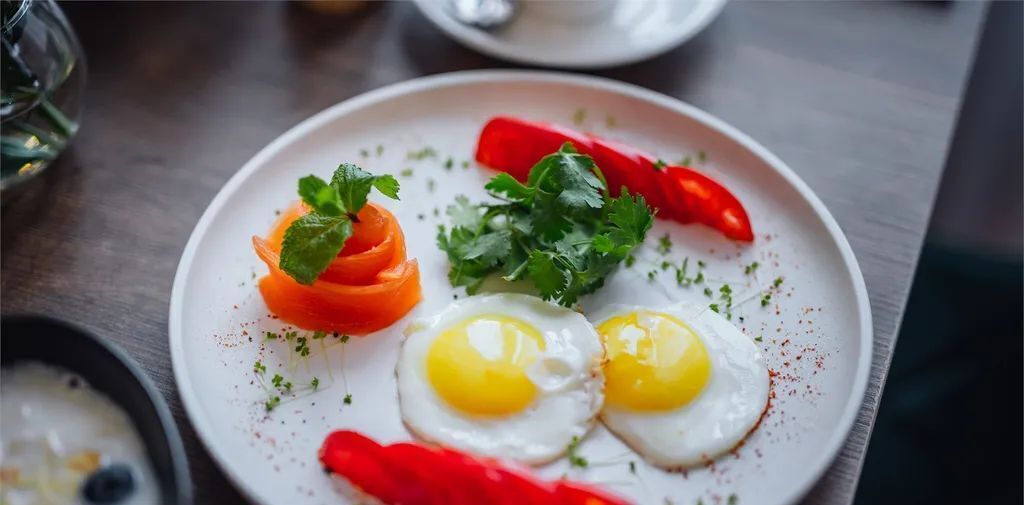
x,y
479,365
655,362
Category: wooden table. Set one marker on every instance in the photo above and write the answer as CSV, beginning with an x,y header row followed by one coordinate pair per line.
x,y
858,98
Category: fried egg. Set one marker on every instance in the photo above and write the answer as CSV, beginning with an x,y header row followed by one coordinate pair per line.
x,y
682,384
505,375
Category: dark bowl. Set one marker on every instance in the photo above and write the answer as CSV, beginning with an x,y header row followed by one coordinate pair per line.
x,y
112,372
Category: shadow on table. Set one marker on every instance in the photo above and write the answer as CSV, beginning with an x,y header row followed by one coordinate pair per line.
x,y
949,426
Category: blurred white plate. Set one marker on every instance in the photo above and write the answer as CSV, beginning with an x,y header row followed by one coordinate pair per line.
x,y
816,333
627,32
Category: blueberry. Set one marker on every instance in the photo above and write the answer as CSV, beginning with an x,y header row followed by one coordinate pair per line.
x,y
109,485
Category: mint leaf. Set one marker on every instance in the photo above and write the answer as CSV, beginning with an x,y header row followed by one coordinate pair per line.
x,y
310,243
353,185
320,196
387,185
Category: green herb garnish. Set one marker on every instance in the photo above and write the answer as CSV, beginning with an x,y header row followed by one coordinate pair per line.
x,y
574,458
406,172
777,282
664,244
347,400
313,240
272,402
561,229
766,299
422,154
751,268
660,165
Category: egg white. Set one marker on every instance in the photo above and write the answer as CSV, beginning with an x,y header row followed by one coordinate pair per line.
x,y
567,375
720,417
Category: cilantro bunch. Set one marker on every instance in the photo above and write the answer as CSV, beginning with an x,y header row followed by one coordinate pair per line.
x,y
561,229
313,240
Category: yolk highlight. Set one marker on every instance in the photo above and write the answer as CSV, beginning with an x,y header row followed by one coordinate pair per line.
x,y
655,362
479,365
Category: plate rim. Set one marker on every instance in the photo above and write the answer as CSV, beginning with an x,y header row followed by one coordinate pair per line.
x,y
199,418
490,46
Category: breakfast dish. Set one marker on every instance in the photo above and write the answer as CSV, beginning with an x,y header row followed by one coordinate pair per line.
x,y
65,443
551,313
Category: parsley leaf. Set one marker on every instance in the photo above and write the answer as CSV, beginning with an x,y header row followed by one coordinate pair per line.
x,y
561,229
490,248
504,183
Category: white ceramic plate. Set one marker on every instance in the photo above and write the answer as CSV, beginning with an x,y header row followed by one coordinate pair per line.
x,y
546,33
816,333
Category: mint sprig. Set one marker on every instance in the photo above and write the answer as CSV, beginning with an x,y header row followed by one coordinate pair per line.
x,y
313,240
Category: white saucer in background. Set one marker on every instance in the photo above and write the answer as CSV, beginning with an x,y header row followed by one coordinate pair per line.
x,y
626,32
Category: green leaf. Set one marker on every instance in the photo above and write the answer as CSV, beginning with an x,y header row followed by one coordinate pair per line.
x,y
603,244
387,185
550,224
631,218
516,264
555,229
489,248
320,196
549,279
353,185
580,187
310,243
464,214
504,183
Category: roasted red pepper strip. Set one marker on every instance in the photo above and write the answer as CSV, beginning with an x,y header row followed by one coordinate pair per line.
x,y
413,474
680,193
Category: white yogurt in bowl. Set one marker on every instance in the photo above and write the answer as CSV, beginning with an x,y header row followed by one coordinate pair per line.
x,y
64,443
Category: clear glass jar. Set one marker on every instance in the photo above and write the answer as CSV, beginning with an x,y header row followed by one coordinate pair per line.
x,y
41,80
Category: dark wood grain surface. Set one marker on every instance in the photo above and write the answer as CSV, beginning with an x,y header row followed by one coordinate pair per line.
x,y
858,98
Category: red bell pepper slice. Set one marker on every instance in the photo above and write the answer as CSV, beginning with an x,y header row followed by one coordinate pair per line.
x,y
361,461
513,145
412,474
417,466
